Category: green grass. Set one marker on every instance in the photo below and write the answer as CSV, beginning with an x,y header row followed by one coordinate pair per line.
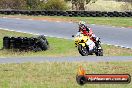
x,y
114,21
111,21
58,75
58,47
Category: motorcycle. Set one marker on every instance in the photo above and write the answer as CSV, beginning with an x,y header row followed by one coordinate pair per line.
x,y
86,46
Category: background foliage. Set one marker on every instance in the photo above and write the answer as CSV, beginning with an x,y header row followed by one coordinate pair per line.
x,y
97,5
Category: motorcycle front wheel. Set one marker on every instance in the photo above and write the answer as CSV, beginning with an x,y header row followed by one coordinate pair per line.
x,y
83,50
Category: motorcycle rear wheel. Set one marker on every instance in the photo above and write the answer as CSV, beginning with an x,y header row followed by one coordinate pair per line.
x,y
99,53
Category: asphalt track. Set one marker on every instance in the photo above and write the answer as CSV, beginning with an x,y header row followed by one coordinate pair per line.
x,y
109,35
65,59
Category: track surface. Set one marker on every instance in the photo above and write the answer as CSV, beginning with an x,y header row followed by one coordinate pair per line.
x,y
109,35
64,59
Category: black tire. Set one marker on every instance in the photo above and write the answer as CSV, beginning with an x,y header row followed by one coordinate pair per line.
x,y
44,38
99,51
18,42
81,80
42,44
83,50
32,41
25,43
105,15
36,48
6,42
12,42
88,15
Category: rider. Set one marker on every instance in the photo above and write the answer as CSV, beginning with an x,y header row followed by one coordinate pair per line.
x,y
88,32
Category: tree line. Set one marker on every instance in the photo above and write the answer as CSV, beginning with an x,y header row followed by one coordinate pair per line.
x,y
47,4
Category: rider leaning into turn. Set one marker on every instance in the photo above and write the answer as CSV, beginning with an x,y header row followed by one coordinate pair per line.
x,y
88,32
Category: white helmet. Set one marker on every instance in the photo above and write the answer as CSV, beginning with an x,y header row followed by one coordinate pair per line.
x,y
81,23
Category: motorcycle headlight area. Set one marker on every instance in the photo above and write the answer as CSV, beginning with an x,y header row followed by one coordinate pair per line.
x,y
80,38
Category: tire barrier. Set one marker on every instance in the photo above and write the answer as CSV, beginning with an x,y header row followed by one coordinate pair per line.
x,y
69,13
39,43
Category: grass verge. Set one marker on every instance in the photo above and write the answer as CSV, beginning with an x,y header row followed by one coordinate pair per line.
x,y
111,21
58,75
58,47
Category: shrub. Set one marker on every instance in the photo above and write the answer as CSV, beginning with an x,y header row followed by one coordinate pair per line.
x,y
56,5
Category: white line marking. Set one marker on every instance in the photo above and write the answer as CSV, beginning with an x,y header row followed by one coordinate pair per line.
x,y
122,27
44,20
58,21
30,33
113,26
4,17
28,19
71,22
17,18
117,45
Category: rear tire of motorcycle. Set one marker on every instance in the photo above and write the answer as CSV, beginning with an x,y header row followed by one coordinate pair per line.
x,y
81,52
99,53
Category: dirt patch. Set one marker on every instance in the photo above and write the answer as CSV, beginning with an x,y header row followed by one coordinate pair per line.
x,y
44,18
130,27
54,19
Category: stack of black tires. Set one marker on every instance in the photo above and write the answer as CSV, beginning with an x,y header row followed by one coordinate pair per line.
x,y
69,13
23,43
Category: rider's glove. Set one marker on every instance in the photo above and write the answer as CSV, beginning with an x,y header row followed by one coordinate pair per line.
x,y
97,38
93,35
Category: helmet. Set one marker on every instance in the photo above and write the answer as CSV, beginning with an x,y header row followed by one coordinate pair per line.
x,y
81,23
